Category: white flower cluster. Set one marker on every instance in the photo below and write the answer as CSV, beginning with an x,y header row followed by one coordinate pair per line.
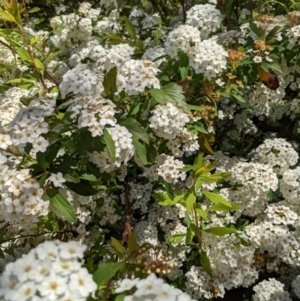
x,y
21,196
257,180
124,150
208,57
290,187
276,153
168,121
92,112
270,289
85,8
50,272
294,36
183,37
151,288
296,286
167,168
117,55
135,75
28,126
205,17
153,53
271,233
69,31
81,80
189,142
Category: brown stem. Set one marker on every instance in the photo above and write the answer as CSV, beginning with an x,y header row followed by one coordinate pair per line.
x,y
127,228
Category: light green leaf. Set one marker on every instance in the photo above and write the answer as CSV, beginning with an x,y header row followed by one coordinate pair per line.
x,y
177,237
106,271
130,28
39,65
171,92
221,207
201,212
216,198
60,202
190,201
109,145
118,247
23,54
163,199
220,231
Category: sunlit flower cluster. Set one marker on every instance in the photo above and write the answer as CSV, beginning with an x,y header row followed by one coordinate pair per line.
x,y
151,288
205,17
208,57
168,121
92,112
51,271
135,75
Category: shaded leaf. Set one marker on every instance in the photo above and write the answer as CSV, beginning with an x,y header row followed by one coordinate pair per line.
x,y
106,271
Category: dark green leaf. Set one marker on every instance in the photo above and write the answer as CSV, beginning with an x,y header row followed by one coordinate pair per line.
x,y
204,260
109,82
140,150
136,129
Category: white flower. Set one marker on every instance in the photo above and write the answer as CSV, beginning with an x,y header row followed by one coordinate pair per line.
x,y
71,250
53,286
57,179
257,59
82,283
126,284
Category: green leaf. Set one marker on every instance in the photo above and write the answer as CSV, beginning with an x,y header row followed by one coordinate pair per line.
x,y
136,129
184,71
109,145
177,237
82,188
163,199
106,271
190,201
7,16
41,160
140,150
118,247
60,202
130,28
23,54
39,65
120,297
189,236
221,207
204,260
169,189
216,198
132,243
201,212
171,92
72,177
237,96
34,10
220,231
258,31
88,177
109,82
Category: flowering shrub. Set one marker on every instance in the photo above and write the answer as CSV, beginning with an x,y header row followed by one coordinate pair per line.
x,y
156,143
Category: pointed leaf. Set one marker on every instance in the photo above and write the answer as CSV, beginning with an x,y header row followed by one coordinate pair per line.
x,y
221,207
216,198
106,271
60,202
177,237
109,82
171,92
220,231
140,150
190,201
204,260
118,247
130,28
132,243
109,145
136,129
